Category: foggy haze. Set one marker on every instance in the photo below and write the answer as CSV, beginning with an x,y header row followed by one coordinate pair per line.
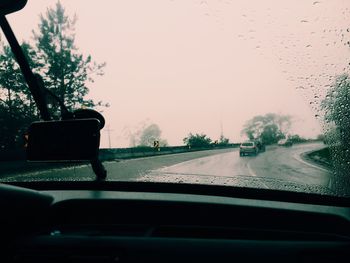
x,y
206,66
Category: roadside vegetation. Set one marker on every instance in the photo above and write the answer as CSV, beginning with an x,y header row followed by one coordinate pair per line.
x,y
336,107
146,135
270,128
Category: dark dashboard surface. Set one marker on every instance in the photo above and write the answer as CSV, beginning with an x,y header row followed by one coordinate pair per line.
x,y
146,226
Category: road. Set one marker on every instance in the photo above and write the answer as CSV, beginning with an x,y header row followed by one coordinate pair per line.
x,y
277,168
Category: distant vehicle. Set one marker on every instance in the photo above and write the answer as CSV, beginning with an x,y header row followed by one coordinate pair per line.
x,y
285,142
248,148
261,146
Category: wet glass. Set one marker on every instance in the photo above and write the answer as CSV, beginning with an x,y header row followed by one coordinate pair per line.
x,y
183,83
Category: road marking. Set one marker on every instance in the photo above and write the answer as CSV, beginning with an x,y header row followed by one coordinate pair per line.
x,y
250,170
297,157
252,173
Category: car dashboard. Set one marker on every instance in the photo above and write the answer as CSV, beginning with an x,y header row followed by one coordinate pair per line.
x,y
105,225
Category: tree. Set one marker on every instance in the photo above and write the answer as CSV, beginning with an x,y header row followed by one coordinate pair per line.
x,y
337,108
223,140
320,137
271,134
150,134
55,57
66,72
197,140
269,128
296,138
332,136
146,135
17,109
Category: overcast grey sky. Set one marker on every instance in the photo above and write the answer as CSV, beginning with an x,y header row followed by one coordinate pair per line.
x,y
190,65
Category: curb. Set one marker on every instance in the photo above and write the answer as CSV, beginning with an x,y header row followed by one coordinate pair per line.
x,y
305,156
307,159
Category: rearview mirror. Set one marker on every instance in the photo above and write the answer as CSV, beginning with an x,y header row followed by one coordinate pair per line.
x,y
68,140
10,6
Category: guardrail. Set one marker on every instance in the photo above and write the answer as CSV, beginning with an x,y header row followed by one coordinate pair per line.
x,y
321,157
137,152
122,153
13,162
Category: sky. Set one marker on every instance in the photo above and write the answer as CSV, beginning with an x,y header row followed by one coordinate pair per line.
x,y
206,66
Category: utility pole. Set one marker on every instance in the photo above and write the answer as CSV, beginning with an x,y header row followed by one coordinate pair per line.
x,y
222,129
108,130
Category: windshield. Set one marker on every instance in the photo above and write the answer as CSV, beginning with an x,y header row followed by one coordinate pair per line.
x,y
182,84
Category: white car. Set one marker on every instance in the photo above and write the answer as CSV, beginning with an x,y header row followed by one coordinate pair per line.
x,y
284,142
248,148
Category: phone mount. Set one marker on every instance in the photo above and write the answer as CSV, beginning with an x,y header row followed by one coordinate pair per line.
x,y
69,140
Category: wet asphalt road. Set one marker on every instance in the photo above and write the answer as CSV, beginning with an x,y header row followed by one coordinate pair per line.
x,y
278,168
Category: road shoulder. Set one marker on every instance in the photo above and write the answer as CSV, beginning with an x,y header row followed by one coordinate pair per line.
x,y
309,159
312,158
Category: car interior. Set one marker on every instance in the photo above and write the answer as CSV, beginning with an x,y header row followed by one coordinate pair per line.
x,y
106,221
125,222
